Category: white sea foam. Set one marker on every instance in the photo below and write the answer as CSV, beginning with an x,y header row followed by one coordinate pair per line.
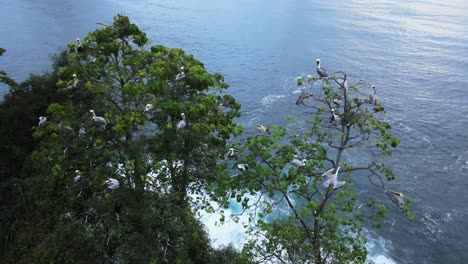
x,y
270,99
432,228
230,232
381,259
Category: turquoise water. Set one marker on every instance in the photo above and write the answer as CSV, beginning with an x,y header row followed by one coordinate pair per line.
x,y
416,52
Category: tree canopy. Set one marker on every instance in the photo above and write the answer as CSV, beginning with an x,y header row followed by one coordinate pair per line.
x,y
107,158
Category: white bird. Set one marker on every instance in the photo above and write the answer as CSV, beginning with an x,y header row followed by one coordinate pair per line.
x,y
230,154
261,128
75,82
182,123
397,198
242,167
65,130
77,177
221,109
99,120
335,116
330,173
42,120
321,71
333,179
297,162
112,184
180,75
338,102
148,107
177,164
345,85
373,96
79,48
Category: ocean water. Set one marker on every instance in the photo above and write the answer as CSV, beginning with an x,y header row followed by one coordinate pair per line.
x,y
416,53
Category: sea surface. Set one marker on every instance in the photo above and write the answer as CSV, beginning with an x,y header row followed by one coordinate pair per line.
x,y
415,52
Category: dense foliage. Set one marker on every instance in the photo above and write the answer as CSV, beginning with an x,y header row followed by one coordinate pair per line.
x,y
51,216
293,216
152,120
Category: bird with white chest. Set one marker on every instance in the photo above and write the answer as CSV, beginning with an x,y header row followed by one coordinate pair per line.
x,y
373,97
180,75
297,162
182,123
335,116
42,120
231,154
112,184
332,178
321,71
79,47
242,167
75,82
148,108
261,129
98,120
77,176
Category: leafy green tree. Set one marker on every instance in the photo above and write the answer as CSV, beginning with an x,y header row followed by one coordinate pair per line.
x,y
19,112
134,135
293,217
4,76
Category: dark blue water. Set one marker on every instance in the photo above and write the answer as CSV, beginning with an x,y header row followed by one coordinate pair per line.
x,y
416,53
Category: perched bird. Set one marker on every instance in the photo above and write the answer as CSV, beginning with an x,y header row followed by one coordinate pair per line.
x,y
112,184
397,198
373,96
75,82
99,120
338,102
180,75
77,177
221,109
177,164
242,167
148,107
297,162
230,154
321,71
302,98
42,120
345,85
182,123
330,173
65,130
261,128
332,179
79,48
335,116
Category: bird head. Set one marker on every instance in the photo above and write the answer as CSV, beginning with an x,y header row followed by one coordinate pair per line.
x,y
78,40
74,76
182,115
148,107
317,61
91,111
182,68
41,118
77,171
373,87
333,110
